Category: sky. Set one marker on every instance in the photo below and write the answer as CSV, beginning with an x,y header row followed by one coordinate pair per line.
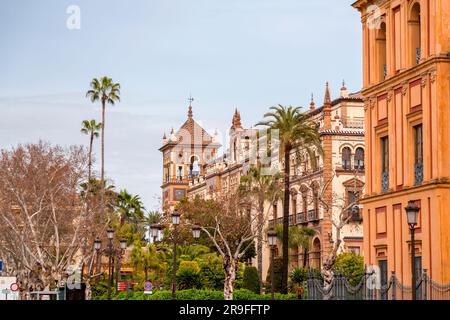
x,y
245,54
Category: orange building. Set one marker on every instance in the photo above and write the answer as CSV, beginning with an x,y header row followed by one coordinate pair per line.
x,y
406,50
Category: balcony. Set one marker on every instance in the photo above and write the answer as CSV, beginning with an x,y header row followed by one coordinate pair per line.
x,y
301,218
418,55
385,181
193,174
418,173
313,215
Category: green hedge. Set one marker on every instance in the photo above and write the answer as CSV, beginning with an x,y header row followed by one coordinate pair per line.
x,y
194,294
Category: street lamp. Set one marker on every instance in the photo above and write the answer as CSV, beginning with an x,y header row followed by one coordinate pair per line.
x,y
97,247
412,213
110,235
122,247
196,231
175,222
272,238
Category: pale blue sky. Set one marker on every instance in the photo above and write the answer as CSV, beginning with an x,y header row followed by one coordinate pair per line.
x,y
249,54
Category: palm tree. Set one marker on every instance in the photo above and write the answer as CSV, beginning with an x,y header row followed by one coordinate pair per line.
x,y
130,208
298,237
294,127
106,91
91,128
262,188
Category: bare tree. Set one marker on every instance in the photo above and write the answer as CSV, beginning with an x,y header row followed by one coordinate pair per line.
x,y
229,225
44,221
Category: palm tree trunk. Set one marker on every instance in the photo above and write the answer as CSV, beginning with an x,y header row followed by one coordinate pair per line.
x,y
284,275
102,178
91,142
260,243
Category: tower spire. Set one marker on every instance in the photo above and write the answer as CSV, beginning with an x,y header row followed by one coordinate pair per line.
x,y
312,105
236,123
190,113
327,99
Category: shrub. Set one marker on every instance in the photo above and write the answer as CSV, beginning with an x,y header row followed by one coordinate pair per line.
x,y
194,294
251,279
351,265
299,275
211,273
278,269
188,275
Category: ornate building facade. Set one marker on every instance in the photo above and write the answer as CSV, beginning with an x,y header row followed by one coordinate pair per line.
x,y
341,167
335,177
406,50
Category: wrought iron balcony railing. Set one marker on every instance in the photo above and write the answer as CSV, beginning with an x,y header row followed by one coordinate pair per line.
x,y
313,215
385,181
418,173
301,218
418,55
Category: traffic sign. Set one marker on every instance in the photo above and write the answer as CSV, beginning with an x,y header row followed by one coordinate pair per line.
x,y
148,286
14,287
1,266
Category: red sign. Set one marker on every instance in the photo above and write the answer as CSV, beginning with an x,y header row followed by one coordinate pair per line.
x,y
121,286
14,287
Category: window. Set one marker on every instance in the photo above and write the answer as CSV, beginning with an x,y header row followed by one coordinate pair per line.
x,y
346,158
418,154
381,48
355,250
382,264
294,204
414,34
305,203
384,164
359,159
180,173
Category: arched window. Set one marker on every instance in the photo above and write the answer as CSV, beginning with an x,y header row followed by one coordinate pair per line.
x,y
359,159
316,254
194,168
346,158
414,34
381,49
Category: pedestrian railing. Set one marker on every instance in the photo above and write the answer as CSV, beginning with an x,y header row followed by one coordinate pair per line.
x,y
370,288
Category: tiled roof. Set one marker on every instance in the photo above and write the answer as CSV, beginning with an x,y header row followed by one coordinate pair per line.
x,y
197,134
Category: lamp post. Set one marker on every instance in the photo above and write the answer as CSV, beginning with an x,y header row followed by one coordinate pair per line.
x,y
97,247
412,213
175,222
272,237
110,235
196,231
120,252
156,231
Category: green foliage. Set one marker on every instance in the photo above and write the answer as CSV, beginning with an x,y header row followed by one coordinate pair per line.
x,y
211,272
351,265
251,279
298,236
250,253
194,294
278,269
188,275
299,275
